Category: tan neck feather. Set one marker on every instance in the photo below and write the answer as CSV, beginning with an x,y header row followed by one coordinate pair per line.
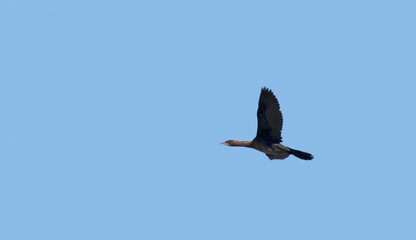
x,y
235,143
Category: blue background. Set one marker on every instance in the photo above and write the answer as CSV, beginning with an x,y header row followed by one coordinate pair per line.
x,y
112,111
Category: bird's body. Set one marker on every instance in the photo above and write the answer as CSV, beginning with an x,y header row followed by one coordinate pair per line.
x,y
273,151
268,139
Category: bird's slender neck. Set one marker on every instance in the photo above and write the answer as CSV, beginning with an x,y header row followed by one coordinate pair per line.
x,y
235,143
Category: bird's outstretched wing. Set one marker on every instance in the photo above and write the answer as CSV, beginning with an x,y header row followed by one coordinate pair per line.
x,y
269,117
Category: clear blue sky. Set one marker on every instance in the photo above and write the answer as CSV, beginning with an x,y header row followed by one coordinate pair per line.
x,y
112,111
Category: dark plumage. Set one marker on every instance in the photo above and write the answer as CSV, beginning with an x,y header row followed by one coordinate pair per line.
x,y
269,128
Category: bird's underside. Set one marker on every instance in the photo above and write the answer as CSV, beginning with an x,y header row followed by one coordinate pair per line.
x,y
279,151
281,157
273,151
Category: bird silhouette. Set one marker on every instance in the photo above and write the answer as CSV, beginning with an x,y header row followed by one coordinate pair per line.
x,y
269,128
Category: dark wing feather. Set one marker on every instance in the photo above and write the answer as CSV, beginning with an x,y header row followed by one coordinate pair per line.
x,y
269,117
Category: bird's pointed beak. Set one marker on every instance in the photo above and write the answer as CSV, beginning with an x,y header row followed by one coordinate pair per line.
x,y
224,143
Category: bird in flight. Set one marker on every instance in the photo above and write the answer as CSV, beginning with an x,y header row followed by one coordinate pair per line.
x,y
269,127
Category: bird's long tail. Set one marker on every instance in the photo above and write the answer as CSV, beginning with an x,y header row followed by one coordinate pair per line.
x,y
301,155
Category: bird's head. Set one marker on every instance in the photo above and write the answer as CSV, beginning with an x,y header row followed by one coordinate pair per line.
x,y
235,143
227,143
